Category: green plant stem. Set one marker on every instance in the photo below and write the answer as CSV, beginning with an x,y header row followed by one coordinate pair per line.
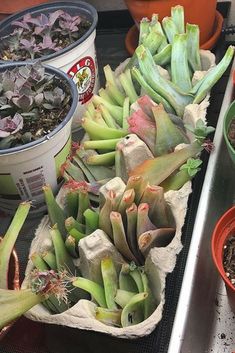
x,y
119,236
95,290
7,243
110,281
101,144
106,159
108,317
56,214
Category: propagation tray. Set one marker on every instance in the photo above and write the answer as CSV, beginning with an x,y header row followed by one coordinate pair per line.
x,y
31,337
204,322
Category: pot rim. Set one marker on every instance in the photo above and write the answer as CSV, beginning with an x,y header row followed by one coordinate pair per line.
x,y
83,6
220,231
74,94
225,125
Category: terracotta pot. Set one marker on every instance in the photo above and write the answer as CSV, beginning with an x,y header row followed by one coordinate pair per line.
x,y
132,37
196,12
14,283
224,228
9,7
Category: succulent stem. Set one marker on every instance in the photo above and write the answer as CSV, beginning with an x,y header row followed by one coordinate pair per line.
x,y
95,290
108,317
119,236
55,212
110,281
7,243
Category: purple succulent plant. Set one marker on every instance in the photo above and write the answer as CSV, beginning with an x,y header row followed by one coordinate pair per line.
x,y
34,37
27,94
10,125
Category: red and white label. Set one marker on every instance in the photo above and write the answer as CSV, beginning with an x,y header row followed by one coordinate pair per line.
x,y
83,74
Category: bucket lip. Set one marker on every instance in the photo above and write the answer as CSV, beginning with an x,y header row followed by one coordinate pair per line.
x,y
225,123
215,234
74,93
54,5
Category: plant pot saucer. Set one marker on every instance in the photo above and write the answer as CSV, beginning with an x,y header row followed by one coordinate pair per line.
x,y
131,40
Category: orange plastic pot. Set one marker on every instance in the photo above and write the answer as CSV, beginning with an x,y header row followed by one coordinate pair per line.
x,y
13,283
199,12
223,229
8,7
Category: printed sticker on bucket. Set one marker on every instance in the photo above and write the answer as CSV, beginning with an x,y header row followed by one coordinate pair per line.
x,y
83,74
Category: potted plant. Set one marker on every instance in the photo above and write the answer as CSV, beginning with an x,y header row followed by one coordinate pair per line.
x,y
229,130
209,20
37,106
62,35
223,252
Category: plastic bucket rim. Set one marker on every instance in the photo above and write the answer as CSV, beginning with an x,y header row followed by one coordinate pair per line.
x,y
215,236
69,116
85,36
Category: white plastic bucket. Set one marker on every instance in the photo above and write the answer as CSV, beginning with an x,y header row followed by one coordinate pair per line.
x,y
79,57
25,169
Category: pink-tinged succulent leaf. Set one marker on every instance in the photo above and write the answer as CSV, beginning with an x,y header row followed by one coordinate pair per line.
x,y
156,170
140,124
146,104
168,135
70,23
39,98
23,102
27,43
9,126
143,222
54,16
9,94
29,19
7,85
47,43
21,24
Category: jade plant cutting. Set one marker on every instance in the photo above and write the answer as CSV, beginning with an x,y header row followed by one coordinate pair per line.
x,y
77,219
32,104
37,36
136,217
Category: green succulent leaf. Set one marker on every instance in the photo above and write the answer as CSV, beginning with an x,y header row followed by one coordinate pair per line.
x,y
192,166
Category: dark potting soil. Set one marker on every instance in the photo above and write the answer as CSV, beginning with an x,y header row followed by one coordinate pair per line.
x,y
229,258
48,120
231,132
24,44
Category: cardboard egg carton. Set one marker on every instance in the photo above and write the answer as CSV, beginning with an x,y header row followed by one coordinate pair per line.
x,y
159,262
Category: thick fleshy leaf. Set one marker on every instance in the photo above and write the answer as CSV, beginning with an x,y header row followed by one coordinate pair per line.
x,y
23,102
10,125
